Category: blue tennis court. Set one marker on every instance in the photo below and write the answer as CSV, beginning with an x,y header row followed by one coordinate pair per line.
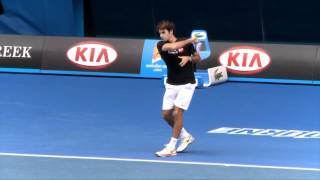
x,y
79,127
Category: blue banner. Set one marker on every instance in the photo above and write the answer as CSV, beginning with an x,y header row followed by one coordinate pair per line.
x,y
151,64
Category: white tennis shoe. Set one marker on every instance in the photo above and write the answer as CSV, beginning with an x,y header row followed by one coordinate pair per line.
x,y
167,152
185,142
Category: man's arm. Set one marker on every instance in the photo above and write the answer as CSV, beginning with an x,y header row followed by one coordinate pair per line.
x,y
177,45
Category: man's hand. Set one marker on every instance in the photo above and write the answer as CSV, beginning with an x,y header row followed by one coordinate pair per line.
x,y
194,39
184,60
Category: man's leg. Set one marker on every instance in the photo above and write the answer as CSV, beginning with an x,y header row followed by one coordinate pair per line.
x,y
168,116
183,101
179,131
173,116
170,149
178,122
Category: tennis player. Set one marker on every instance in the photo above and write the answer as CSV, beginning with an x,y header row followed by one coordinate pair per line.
x,y
180,57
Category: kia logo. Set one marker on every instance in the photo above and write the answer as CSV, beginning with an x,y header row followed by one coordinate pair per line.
x,y
245,60
92,55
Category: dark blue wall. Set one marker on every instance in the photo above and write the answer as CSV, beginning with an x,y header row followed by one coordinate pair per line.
x,y
243,20
1,8
42,17
234,20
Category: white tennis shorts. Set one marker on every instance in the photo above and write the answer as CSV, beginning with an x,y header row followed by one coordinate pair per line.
x,y
178,95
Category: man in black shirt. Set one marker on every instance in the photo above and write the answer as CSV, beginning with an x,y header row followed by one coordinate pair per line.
x,y
180,57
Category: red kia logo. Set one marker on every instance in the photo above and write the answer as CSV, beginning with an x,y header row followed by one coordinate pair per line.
x,y
245,60
92,55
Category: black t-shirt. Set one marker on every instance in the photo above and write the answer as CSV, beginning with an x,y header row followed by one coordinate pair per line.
x,y
178,75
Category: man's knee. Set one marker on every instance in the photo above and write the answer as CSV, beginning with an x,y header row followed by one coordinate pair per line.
x,y
177,114
167,114
177,111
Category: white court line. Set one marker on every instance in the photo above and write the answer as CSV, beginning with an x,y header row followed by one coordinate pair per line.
x,y
159,161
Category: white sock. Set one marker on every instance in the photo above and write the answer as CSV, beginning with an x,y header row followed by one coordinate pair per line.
x,y
172,143
184,133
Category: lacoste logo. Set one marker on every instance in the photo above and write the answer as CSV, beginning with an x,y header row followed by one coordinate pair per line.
x,y
217,75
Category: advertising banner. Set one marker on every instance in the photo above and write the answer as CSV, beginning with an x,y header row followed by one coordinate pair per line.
x,y
270,61
256,62
23,52
151,63
92,55
244,61
317,68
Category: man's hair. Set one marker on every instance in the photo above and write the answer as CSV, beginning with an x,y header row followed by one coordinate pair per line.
x,y
168,25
